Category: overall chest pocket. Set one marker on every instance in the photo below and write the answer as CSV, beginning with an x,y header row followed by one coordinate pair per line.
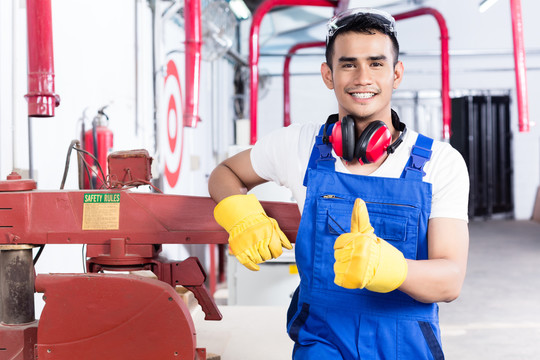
x,y
395,223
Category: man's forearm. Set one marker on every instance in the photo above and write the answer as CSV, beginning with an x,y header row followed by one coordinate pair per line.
x,y
434,280
441,277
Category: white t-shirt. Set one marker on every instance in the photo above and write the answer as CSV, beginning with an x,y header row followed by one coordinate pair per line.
x,y
283,155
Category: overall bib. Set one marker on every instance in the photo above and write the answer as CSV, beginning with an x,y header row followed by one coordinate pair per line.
x,y
327,321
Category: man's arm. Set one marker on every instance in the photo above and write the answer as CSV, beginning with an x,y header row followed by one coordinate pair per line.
x,y
253,236
441,277
233,176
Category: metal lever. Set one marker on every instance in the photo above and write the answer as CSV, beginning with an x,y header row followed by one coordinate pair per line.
x,y
190,274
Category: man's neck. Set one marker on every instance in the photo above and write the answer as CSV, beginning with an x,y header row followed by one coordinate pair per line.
x,y
361,123
366,169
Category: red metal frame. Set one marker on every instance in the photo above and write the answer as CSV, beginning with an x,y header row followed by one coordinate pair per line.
x,y
261,11
16,341
141,222
287,75
188,273
213,278
445,67
56,217
192,14
41,97
521,67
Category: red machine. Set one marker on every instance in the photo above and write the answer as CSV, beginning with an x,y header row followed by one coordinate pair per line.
x,y
107,316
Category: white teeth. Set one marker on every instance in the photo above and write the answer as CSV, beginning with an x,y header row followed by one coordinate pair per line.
x,y
363,95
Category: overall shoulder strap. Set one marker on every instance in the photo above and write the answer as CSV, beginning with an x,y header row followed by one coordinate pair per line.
x,y
420,155
321,154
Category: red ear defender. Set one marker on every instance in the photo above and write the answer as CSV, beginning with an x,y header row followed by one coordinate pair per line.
x,y
373,142
371,145
336,139
343,138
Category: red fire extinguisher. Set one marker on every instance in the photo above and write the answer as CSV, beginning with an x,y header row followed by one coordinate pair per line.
x,y
98,141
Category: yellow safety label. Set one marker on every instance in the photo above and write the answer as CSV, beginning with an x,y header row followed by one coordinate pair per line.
x,y
101,211
293,269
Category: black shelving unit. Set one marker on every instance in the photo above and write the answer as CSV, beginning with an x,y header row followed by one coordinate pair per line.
x,y
481,133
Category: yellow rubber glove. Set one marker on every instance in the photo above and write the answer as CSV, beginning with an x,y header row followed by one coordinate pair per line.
x,y
253,236
364,260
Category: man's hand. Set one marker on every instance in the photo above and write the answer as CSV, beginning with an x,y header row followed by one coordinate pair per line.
x,y
364,260
253,236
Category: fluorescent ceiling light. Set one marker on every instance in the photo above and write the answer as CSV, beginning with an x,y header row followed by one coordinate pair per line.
x,y
239,9
485,4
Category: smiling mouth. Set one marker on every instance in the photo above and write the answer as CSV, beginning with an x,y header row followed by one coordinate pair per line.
x,y
363,95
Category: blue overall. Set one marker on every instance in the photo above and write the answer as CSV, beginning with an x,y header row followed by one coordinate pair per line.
x,y
327,321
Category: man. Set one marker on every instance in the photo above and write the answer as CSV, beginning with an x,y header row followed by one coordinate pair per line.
x,y
383,235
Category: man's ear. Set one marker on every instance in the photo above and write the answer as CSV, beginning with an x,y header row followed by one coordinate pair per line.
x,y
398,74
326,73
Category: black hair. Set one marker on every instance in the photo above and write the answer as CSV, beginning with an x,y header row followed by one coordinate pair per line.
x,y
365,24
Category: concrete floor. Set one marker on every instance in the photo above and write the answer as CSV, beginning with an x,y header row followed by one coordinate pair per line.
x,y
496,317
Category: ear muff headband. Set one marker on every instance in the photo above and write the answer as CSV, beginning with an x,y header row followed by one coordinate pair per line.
x,y
403,130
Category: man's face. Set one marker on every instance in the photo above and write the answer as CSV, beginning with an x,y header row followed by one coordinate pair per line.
x,y
363,75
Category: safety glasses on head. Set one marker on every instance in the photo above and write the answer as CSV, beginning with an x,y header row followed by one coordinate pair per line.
x,y
344,18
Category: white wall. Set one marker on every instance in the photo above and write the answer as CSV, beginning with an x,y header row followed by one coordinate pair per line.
x,y
95,65
5,91
475,40
12,86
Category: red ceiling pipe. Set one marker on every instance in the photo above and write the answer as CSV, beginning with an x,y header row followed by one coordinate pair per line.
x,y
41,97
287,75
445,67
192,15
521,67
262,10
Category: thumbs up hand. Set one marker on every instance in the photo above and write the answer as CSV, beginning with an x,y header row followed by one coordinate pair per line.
x,y
365,261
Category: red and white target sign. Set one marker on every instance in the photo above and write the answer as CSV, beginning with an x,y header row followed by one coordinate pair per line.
x,y
172,102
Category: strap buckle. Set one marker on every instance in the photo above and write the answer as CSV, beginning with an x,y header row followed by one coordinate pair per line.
x,y
325,150
419,157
